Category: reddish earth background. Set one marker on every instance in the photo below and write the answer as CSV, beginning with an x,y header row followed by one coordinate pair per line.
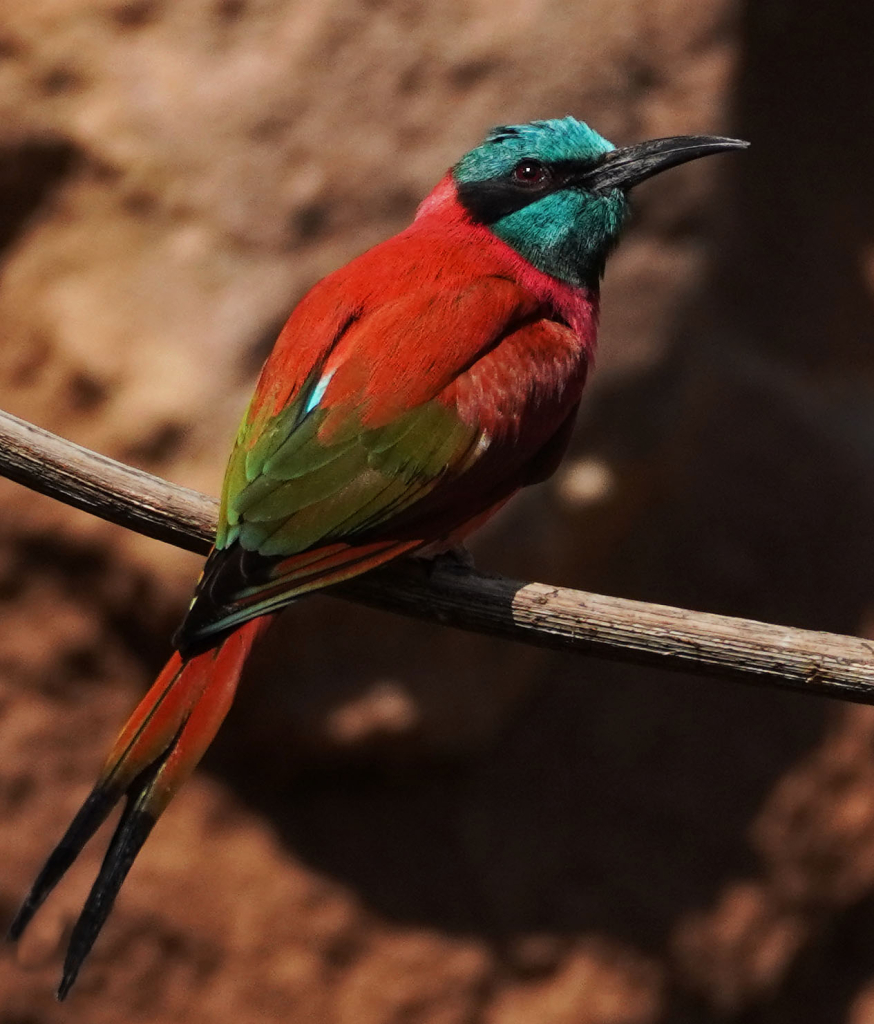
x,y
399,824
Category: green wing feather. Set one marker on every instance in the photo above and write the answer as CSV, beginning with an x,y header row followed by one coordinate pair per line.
x,y
308,519
307,492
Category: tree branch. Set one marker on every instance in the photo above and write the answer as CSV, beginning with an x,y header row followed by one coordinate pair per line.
x,y
555,617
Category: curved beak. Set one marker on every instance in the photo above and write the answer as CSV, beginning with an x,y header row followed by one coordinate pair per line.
x,y
627,167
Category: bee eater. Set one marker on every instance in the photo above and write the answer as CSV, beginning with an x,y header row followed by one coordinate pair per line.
x,y
408,396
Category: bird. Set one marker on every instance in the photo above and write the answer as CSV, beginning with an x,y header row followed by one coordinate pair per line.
x,y
409,395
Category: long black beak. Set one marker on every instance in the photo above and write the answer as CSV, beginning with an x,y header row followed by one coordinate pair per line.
x,y
624,168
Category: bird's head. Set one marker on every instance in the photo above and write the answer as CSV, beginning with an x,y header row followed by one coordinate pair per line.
x,y
557,192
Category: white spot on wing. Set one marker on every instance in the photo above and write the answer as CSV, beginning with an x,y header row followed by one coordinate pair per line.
x,y
318,392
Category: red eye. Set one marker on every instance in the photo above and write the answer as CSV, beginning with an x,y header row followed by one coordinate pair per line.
x,y
530,172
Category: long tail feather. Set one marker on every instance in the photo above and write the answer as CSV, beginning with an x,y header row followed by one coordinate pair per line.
x,y
155,752
131,832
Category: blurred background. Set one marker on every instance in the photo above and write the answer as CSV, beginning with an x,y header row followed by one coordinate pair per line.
x,y
401,824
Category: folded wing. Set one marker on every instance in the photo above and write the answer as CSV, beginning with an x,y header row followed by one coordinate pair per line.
x,y
405,425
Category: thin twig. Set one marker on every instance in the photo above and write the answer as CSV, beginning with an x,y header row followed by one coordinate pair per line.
x,y
555,617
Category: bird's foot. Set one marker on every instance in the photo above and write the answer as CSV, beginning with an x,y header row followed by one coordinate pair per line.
x,y
451,558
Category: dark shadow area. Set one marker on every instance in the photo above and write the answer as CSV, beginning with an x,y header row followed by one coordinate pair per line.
x,y
29,173
788,446
614,800
796,277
